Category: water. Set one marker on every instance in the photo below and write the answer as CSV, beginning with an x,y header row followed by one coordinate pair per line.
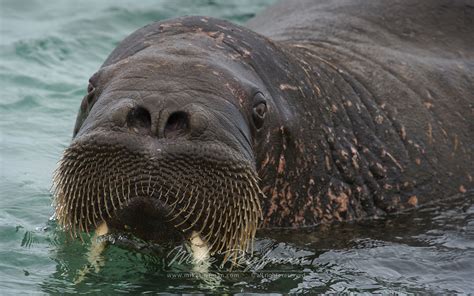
x,y
48,51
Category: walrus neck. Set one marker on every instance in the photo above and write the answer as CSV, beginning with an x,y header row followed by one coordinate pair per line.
x,y
345,178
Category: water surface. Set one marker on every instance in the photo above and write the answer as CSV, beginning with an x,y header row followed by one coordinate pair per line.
x,y
48,50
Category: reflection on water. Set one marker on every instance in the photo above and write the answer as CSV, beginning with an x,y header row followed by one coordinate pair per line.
x,y
48,49
430,250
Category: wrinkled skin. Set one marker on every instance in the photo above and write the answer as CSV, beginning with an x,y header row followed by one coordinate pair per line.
x,y
319,116
384,103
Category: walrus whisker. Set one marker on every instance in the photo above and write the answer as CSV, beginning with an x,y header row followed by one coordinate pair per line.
x,y
186,218
183,209
99,198
87,224
143,186
83,193
73,188
136,186
167,194
152,192
122,195
203,206
224,239
74,225
190,197
211,227
204,223
90,192
94,212
161,193
106,196
112,197
147,193
177,200
76,208
129,188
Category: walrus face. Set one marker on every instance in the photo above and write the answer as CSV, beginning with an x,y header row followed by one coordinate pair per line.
x,y
164,146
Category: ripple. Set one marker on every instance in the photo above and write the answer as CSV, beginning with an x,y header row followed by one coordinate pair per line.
x,y
44,51
48,50
25,103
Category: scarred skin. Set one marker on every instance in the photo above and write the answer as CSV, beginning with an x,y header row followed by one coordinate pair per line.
x,y
369,111
383,116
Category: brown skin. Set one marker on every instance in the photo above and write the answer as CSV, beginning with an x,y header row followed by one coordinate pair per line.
x,y
165,135
334,127
385,108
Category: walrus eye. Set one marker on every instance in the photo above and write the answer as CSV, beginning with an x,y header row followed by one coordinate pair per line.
x,y
90,88
259,111
89,99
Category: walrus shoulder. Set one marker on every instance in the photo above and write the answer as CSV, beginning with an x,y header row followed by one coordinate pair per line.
x,y
437,23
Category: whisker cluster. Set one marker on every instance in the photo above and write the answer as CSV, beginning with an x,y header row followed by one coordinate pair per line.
x,y
210,190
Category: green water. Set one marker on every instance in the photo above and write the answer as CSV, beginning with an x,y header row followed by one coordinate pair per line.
x,y
48,50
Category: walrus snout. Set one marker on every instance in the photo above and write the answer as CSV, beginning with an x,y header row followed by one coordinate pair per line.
x,y
176,125
169,124
158,190
139,119
164,146
149,219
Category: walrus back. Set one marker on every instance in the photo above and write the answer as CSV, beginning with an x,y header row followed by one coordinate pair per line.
x,y
443,26
411,63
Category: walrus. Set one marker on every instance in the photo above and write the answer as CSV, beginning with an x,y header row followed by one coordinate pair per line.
x,y
196,129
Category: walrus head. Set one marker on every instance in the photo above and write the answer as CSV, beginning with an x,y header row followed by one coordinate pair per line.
x,y
165,140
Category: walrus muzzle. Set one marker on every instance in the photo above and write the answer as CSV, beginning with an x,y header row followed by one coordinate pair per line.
x,y
196,187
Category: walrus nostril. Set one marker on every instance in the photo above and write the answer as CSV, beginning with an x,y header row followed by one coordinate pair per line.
x,y
139,119
177,125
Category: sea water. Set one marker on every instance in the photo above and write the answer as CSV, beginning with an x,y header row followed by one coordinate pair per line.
x,y
48,50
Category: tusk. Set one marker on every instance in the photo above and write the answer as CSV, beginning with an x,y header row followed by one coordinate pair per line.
x,y
199,248
200,252
94,257
103,229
